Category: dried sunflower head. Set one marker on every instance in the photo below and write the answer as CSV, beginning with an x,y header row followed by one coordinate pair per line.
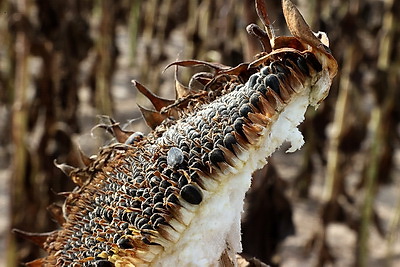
x,y
174,197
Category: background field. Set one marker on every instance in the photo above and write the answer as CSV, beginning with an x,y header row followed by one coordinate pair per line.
x,y
334,203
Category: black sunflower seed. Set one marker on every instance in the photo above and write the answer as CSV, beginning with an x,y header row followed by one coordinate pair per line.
x,y
191,194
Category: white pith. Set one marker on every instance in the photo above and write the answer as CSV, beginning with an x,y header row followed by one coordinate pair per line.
x,y
215,225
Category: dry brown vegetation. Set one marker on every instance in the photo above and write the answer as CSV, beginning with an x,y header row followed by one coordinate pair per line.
x,y
63,62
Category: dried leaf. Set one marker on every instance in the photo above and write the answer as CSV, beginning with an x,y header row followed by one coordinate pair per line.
x,y
152,118
193,63
37,238
180,89
255,30
262,12
158,102
56,212
35,263
66,169
120,134
298,27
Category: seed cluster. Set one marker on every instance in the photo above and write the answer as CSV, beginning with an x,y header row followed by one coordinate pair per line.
x,y
134,202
